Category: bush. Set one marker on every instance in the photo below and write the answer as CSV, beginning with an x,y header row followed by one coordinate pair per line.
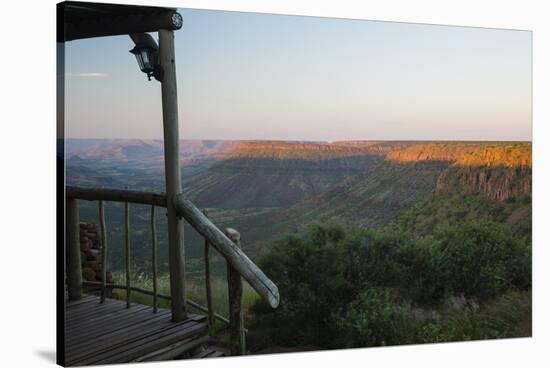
x,y
480,259
308,271
336,281
507,316
376,318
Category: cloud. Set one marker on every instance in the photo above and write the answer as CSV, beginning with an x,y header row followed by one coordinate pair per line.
x,y
89,75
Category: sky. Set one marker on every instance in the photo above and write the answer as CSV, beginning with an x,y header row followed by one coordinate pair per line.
x,y
276,77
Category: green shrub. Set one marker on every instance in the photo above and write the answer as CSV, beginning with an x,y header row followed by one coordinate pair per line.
x,y
335,282
309,273
509,315
376,318
480,259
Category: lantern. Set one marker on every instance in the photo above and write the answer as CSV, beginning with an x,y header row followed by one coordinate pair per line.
x,y
146,53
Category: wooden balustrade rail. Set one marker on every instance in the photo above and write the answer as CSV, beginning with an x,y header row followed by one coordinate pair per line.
x,y
227,244
228,249
116,195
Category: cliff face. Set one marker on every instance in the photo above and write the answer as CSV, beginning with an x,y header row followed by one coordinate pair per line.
x,y
278,150
499,183
502,170
508,154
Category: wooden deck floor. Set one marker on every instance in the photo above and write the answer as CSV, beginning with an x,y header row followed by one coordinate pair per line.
x,y
111,333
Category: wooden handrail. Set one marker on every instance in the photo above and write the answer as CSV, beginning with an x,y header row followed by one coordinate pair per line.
x,y
211,233
116,195
228,249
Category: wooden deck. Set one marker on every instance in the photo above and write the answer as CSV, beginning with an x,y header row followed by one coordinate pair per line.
x,y
111,333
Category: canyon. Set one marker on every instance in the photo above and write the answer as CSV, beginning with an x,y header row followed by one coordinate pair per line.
x,y
269,189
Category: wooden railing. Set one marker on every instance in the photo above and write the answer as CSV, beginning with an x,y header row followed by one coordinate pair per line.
x,y
226,243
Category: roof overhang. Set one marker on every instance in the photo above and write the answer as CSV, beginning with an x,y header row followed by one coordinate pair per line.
x,y
78,20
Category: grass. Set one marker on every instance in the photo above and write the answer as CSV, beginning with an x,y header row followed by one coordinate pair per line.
x,y
509,315
196,291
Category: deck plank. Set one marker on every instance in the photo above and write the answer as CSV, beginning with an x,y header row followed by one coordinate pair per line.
x,y
123,334
111,333
85,313
91,323
110,324
143,345
126,331
74,303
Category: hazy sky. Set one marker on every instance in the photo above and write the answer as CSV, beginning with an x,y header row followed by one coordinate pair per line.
x,y
259,76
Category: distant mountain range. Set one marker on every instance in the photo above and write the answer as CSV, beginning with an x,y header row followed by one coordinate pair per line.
x,y
140,149
270,188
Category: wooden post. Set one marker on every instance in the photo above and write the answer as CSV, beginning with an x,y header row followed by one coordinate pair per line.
x,y
154,246
72,250
209,305
172,173
236,317
103,251
127,251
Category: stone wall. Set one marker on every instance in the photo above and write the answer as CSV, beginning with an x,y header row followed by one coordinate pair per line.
x,y
90,255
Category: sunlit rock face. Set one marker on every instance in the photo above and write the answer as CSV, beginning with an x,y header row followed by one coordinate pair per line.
x,y
498,182
509,154
502,170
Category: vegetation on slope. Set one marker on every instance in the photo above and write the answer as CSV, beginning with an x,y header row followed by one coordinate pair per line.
x,y
262,182
441,210
347,287
410,174
278,174
370,199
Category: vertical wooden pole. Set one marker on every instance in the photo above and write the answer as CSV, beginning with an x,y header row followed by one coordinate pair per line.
x,y
209,304
236,317
72,250
103,251
127,251
172,173
155,270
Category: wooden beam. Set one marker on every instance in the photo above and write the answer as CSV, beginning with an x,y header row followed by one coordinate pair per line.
x,y
208,283
176,251
228,249
116,195
154,258
88,20
103,251
127,252
72,250
235,287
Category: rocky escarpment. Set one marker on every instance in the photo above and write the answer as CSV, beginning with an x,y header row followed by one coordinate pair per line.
x,y
280,150
380,147
499,183
508,154
502,170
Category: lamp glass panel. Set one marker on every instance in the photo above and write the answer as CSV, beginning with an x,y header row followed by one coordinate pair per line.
x,y
140,61
146,60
